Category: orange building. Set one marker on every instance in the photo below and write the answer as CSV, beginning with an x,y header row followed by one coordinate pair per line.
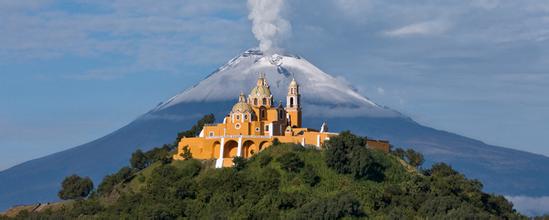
x,y
381,145
252,125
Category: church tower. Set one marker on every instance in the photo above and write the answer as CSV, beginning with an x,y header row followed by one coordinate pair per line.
x,y
260,98
293,104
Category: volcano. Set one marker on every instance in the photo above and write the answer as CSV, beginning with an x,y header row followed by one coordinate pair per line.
x,y
324,98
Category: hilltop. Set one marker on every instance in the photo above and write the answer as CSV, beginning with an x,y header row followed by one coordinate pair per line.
x,y
287,181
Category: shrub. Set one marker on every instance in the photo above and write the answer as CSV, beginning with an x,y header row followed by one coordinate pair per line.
x,y
414,158
364,165
337,207
186,153
190,168
86,207
276,141
347,153
268,180
309,176
338,151
399,152
75,187
441,170
239,163
110,181
290,162
161,154
138,160
185,189
265,160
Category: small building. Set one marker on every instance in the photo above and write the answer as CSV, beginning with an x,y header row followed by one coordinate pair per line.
x,y
252,125
381,145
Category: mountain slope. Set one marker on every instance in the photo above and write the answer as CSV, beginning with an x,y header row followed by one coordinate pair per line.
x,y
325,98
318,88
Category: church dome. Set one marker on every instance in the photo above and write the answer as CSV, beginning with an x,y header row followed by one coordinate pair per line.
x,y
261,91
242,107
262,87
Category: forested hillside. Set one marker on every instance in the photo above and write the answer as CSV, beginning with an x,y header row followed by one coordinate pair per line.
x,y
287,181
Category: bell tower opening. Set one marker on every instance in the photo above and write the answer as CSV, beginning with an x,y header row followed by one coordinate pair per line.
x,y
293,104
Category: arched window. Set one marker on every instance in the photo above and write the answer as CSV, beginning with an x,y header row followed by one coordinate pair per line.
x,y
291,102
262,113
255,101
264,101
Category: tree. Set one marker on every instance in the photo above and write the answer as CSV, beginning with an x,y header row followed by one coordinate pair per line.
x,y
239,163
75,187
186,153
441,170
290,162
161,154
276,141
414,158
138,160
264,160
338,151
110,181
336,207
309,176
364,165
399,152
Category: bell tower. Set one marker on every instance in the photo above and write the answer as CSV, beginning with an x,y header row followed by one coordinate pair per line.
x,y
293,104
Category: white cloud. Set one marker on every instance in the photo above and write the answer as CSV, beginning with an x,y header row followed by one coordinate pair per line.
x,y
532,206
160,37
421,28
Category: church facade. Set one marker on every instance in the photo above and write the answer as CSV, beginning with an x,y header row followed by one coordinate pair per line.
x,y
252,125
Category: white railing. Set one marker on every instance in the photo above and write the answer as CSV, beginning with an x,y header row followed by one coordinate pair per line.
x,y
237,136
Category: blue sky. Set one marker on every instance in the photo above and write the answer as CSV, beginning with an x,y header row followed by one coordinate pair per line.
x,y
73,71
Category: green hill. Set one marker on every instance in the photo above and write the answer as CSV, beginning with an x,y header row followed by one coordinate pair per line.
x,y
287,181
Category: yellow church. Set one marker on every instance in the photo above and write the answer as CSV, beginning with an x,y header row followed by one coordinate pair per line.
x,y
252,125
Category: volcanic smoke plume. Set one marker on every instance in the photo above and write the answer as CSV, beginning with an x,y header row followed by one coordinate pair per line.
x,y
268,25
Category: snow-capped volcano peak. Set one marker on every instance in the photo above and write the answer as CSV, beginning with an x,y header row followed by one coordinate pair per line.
x,y
322,94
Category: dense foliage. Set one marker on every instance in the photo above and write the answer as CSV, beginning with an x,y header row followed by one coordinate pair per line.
x,y
288,181
75,187
110,181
